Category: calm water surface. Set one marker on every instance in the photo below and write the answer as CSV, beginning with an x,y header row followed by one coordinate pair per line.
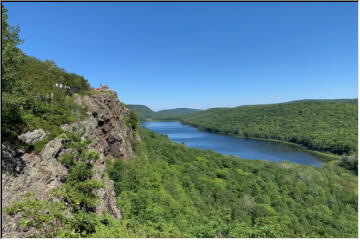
x,y
241,147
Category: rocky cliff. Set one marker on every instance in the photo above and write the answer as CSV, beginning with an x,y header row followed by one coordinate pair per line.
x,y
106,126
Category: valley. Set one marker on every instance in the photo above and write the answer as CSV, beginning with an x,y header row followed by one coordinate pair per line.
x,y
240,147
325,126
77,162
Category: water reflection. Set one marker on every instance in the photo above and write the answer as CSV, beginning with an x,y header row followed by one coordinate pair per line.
x,y
241,147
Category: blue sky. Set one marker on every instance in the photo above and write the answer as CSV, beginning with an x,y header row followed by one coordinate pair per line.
x,y
199,55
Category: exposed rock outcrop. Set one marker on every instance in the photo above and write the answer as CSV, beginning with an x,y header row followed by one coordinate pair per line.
x,y
37,173
12,160
33,137
106,126
110,135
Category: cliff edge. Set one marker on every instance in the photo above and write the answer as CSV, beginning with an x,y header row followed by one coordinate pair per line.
x,y
108,130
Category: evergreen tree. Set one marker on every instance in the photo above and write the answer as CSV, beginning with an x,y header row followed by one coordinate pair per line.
x,y
13,87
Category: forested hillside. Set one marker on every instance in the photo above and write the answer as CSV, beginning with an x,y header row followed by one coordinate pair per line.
x,y
97,173
43,159
142,111
322,125
30,98
146,114
178,111
170,190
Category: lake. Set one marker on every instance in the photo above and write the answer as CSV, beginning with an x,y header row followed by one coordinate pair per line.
x,y
241,147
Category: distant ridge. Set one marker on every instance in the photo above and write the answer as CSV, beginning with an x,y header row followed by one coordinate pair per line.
x,y
328,125
142,111
147,114
178,111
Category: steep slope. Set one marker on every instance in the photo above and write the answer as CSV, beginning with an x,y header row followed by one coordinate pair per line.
x,y
152,187
72,159
106,131
171,190
323,125
54,180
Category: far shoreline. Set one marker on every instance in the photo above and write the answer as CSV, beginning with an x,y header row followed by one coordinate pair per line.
x,y
323,156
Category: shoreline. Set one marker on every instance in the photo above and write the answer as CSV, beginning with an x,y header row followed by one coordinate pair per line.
x,y
323,156
326,157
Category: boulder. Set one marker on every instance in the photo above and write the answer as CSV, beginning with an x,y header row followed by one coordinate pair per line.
x,y
33,137
12,161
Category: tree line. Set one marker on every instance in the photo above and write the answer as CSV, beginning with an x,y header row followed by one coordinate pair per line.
x,y
30,98
322,125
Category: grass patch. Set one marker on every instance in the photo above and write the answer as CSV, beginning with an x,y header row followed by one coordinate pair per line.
x,y
39,146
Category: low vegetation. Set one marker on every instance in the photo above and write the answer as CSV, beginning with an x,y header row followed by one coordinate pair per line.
x,y
70,212
30,98
170,190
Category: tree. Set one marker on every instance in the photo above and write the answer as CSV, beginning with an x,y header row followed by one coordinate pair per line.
x,y
13,87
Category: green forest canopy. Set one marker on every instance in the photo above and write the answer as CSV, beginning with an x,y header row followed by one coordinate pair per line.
x,y
170,190
322,125
146,114
142,111
28,87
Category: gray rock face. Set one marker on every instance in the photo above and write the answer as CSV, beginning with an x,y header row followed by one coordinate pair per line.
x,y
40,173
110,136
33,137
107,124
106,195
52,149
12,161
24,172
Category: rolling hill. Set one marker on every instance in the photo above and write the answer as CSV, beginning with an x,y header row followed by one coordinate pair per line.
x,y
142,111
322,125
146,114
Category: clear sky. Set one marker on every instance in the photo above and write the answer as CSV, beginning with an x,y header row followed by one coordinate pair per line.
x,y
199,55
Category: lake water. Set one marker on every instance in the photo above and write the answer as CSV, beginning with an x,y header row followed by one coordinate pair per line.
x,y
241,147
